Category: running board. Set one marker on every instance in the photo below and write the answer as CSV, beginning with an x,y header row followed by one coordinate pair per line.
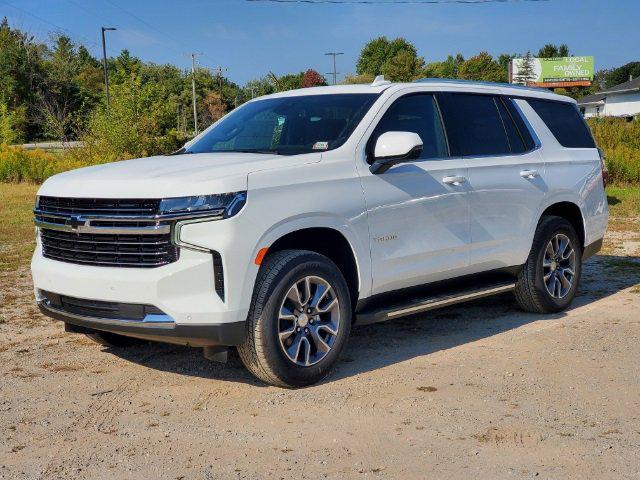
x,y
419,305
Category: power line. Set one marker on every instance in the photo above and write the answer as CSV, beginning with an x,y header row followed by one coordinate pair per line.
x,y
141,20
58,27
394,2
102,18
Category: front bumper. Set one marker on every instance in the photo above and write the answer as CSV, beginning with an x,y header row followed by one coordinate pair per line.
x,y
227,334
184,290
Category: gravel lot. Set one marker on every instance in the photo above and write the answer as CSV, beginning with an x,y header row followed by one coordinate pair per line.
x,y
480,390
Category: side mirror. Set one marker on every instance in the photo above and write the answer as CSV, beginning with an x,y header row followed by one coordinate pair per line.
x,y
393,148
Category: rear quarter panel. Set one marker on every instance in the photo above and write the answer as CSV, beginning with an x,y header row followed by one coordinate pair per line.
x,y
571,175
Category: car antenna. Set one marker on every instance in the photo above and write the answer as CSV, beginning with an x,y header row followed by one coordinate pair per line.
x,y
379,81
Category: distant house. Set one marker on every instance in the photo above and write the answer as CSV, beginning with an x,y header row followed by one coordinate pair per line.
x,y
620,101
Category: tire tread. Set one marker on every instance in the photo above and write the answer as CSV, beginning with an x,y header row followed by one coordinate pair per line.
x,y
251,352
528,297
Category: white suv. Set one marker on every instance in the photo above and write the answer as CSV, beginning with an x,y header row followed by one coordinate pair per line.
x,y
302,213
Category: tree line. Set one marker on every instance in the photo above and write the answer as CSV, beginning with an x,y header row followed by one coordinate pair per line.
x,y
55,90
398,60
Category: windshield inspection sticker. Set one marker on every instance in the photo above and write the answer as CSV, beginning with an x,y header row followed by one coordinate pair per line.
x,y
321,145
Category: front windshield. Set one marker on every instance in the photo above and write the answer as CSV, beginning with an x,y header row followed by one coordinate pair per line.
x,y
287,125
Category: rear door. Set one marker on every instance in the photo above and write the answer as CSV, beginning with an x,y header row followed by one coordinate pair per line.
x,y
505,172
418,212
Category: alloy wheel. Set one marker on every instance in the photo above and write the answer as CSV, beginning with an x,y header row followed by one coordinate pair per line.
x,y
559,266
308,321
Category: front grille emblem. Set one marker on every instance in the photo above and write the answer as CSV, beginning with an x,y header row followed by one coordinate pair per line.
x,y
75,223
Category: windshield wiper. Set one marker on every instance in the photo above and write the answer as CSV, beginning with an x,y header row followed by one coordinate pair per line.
x,y
181,151
250,150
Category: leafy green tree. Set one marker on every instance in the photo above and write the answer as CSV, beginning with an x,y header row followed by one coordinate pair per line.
x,y
504,59
10,133
482,67
619,75
133,125
61,105
398,59
20,69
404,66
372,56
286,82
447,69
551,50
257,88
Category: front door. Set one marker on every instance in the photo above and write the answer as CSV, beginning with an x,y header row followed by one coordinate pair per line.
x,y
418,212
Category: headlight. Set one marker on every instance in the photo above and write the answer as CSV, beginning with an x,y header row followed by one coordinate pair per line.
x,y
225,204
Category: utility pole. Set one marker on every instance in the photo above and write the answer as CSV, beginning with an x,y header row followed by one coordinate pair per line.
x,y
334,73
104,63
218,71
193,91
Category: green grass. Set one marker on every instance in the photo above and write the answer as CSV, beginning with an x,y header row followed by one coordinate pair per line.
x,y
17,238
624,201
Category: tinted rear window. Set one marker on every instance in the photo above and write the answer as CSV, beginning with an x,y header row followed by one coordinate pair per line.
x,y
516,115
473,125
515,140
565,122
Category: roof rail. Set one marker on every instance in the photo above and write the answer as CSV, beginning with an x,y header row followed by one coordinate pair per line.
x,y
379,81
475,82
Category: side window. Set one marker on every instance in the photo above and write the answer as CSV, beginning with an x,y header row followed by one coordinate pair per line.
x,y
565,122
516,115
515,140
418,114
474,126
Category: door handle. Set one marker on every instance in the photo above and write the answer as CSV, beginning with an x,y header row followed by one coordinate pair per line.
x,y
454,180
529,173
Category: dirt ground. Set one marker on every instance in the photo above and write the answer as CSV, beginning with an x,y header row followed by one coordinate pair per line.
x,y
480,390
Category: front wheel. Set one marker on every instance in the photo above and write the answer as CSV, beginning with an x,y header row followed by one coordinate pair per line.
x,y
299,321
549,279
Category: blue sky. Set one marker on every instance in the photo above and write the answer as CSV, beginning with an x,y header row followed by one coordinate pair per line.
x,y
250,38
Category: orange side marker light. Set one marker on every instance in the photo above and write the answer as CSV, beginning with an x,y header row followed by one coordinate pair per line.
x,y
261,254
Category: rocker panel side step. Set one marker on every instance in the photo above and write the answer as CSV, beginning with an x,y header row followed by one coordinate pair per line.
x,y
419,305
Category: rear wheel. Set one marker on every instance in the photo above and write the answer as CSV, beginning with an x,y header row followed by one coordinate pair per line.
x,y
299,321
549,279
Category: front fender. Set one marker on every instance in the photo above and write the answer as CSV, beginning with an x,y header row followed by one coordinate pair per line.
x,y
286,226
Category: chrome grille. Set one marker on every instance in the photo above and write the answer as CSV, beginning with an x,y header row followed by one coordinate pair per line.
x,y
108,250
98,206
105,232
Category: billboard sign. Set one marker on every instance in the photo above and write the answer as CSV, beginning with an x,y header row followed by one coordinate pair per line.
x,y
552,72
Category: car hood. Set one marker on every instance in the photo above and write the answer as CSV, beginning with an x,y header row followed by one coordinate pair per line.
x,y
163,176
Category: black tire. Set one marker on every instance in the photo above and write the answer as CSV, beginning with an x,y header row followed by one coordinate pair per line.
x,y
261,352
531,293
114,340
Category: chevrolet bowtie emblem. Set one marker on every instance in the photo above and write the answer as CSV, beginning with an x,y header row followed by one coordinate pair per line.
x,y
75,222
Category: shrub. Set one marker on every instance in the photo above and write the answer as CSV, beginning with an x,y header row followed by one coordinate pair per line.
x,y
132,127
20,165
620,141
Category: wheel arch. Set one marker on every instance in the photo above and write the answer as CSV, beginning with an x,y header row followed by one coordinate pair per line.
x,y
571,212
329,242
